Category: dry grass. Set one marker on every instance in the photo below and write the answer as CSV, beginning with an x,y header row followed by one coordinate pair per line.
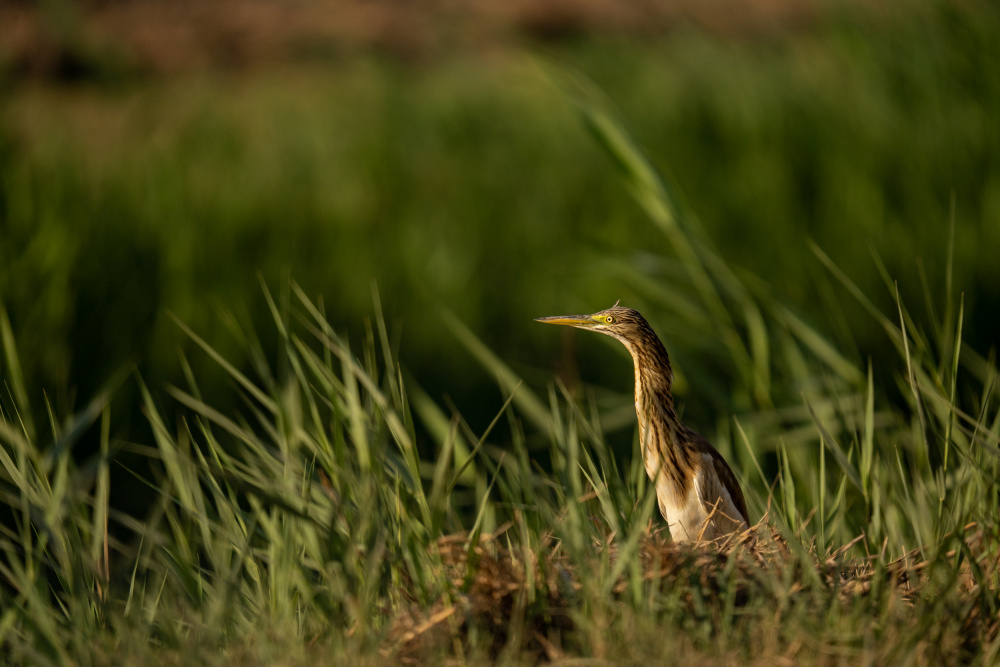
x,y
495,591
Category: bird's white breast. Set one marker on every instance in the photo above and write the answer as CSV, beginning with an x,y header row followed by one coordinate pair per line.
x,y
684,515
705,512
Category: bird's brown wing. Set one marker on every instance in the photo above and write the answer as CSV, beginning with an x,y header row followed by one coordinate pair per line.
x,y
724,474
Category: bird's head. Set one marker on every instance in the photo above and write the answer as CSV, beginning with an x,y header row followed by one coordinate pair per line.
x,y
619,322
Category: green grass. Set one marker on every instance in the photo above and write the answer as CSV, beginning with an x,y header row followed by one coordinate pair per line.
x,y
305,526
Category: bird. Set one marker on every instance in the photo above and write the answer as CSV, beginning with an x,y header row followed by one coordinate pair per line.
x,y
698,495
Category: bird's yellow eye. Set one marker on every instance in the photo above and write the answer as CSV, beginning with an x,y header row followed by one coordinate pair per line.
x,y
609,319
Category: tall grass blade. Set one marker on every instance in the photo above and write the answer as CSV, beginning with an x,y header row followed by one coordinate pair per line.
x,y
15,375
526,401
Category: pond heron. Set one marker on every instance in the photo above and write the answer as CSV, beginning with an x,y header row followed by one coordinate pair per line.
x,y
698,493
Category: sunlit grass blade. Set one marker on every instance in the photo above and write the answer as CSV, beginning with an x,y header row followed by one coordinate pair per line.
x,y
15,375
868,438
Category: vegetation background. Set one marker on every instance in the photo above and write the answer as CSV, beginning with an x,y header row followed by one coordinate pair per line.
x,y
159,162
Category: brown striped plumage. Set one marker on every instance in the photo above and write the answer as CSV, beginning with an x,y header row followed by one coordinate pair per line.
x,y
698,493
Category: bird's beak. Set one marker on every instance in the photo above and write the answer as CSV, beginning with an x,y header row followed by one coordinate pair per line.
x,y
570,320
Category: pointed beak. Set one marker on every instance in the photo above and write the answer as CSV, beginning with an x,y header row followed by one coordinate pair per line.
x,y
570,320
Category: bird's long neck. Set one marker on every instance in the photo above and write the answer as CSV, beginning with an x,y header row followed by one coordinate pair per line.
x,y
653,382
654,400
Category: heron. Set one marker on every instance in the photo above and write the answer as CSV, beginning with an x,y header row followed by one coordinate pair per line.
x,y
696,490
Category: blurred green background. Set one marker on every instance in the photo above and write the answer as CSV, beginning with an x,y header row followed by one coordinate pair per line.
x,y
466,180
